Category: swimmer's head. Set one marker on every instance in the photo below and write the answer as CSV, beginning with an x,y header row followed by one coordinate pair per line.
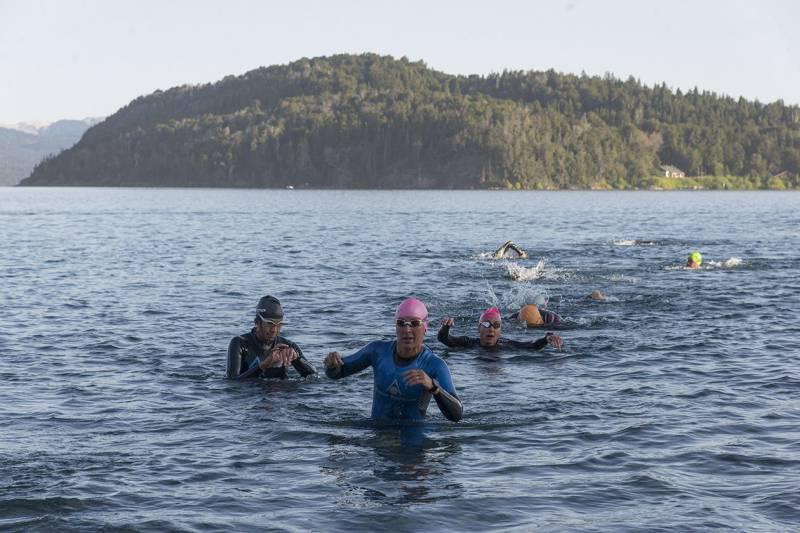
x,y
491,314
530,315
411,308
597,295
269,318
489,326
540,300
269,308
695,260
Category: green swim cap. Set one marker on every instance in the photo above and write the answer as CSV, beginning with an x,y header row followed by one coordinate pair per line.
x,y
696,257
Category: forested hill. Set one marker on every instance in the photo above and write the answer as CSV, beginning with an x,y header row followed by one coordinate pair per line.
x,y
376,122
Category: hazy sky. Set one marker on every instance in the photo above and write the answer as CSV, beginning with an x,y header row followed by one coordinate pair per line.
x,y
76,59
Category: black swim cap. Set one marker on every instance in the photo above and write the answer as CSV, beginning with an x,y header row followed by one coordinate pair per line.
x,y
269,308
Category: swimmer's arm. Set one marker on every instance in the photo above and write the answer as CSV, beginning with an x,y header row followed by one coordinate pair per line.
x,y
445,338
301,364
236,354
444,392
351,364
519,250
528,345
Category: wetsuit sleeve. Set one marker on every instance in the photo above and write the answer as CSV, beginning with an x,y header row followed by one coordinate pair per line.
x,y
301,364
530,345
447,399
353,363
236,354
550,318
445,338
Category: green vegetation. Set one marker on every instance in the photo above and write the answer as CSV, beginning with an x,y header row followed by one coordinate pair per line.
x,y
372,121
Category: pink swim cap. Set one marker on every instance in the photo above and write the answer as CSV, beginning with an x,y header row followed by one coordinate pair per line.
x,y
490,314
411,307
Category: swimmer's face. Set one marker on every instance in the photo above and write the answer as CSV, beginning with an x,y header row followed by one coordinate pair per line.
x,y
267,330
410,335
489,331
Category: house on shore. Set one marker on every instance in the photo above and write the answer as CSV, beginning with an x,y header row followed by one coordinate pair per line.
x,y
672,172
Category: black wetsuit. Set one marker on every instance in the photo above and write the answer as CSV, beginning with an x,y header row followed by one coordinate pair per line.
x,y
471,342
246,351
509,245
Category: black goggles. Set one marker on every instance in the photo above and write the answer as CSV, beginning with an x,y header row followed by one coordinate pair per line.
x,y
486,324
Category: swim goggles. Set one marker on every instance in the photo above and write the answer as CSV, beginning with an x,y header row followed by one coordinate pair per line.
x,y
410,323
486,324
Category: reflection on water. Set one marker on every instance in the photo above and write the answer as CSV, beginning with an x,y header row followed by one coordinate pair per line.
x,y
391,464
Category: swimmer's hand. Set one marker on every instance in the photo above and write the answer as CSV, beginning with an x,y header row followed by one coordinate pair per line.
x,y
280,355
333,360
449,321
555,341
418,377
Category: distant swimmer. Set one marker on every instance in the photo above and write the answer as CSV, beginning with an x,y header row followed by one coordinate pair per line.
x,y
406,374
597,295
490,327
695,260
534,317
263,352
509,245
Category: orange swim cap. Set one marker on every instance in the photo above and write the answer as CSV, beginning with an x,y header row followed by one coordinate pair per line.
x,y
530,314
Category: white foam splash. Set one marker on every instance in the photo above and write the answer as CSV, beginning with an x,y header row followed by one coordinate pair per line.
x,y
520,295
623,278
518,272
485,255
633,242
731,262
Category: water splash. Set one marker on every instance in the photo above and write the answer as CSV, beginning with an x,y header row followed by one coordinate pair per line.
x,y
633,242
539,271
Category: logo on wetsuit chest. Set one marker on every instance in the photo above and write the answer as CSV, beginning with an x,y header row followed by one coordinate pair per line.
x,y
394,389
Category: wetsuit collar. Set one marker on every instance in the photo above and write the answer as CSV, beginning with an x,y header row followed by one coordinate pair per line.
x,y
402,361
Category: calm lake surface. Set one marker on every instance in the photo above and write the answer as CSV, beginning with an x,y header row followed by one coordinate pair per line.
x,y
674,406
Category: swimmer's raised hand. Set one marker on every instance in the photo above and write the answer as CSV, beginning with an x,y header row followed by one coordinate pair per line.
x,y
448,321
333,360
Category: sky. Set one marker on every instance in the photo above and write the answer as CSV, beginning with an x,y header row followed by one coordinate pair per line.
x,y
74,59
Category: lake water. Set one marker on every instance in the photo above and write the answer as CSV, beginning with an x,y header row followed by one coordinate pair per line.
x,y
675,404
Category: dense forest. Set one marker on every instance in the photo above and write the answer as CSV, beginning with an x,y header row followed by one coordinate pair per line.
x,y
369,121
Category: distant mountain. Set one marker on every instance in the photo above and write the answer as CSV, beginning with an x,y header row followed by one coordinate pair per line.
x,y
369,121
22,146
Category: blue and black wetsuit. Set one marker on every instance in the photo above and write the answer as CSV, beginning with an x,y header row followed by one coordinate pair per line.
x,y
245,352
472,342
392,399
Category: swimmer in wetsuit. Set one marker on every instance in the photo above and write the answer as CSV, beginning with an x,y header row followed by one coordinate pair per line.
x,y
509,245
534,317
406,373
263,352
490,327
